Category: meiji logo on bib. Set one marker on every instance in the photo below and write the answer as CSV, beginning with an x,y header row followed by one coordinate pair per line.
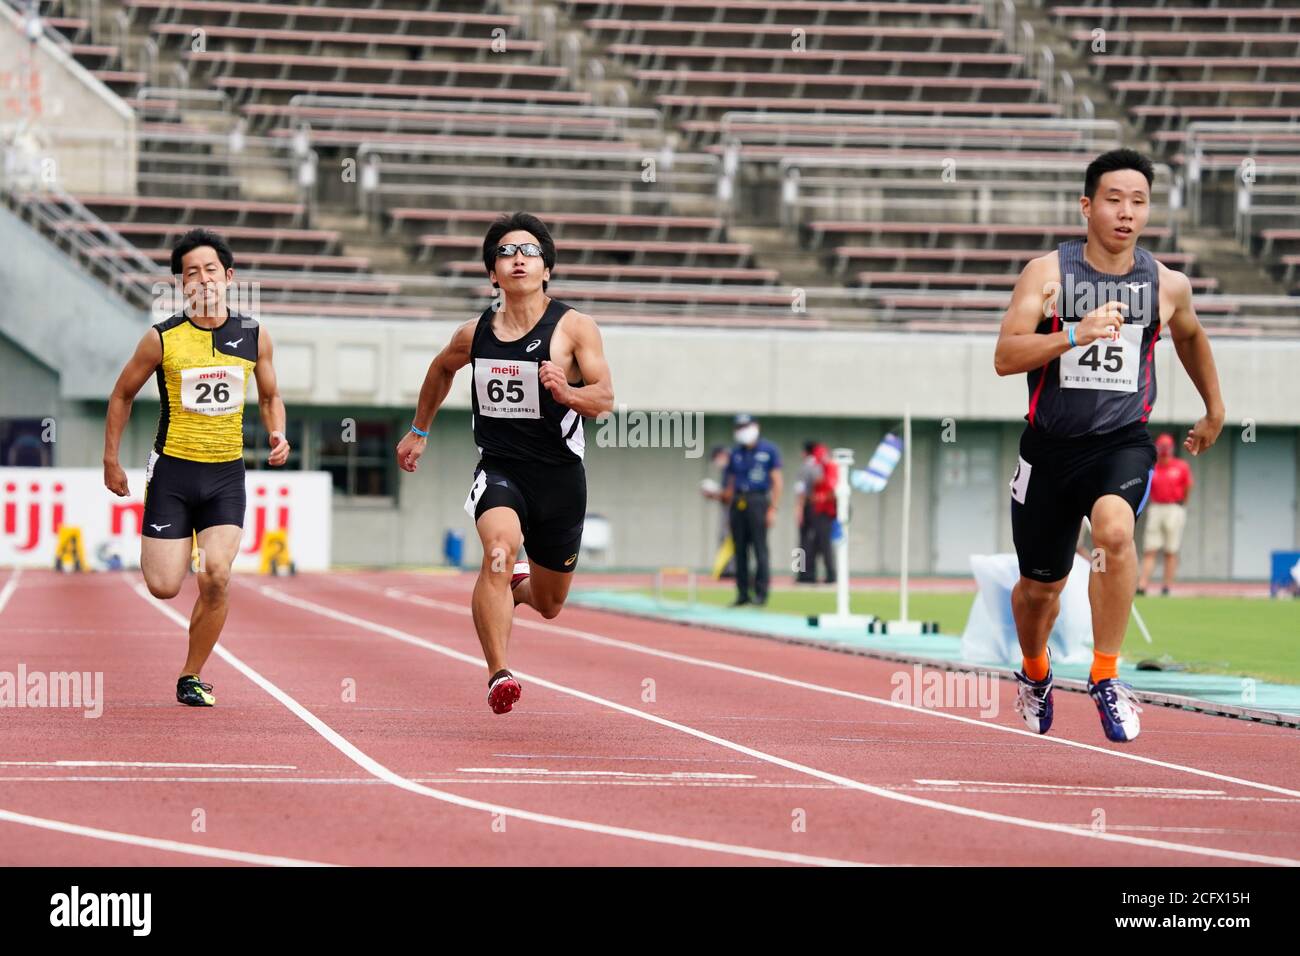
x,y
212,390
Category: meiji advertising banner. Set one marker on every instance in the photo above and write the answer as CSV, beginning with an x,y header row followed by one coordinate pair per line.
x,y
36,502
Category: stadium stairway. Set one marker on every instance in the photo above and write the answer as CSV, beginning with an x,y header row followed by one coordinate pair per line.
x,y
1223,257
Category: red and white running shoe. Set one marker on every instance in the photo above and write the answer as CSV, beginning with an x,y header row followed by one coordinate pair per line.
x,y
521,574
503,691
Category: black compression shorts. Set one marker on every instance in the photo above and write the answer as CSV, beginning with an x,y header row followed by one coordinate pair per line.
x,y
1058,480
550,500
183,496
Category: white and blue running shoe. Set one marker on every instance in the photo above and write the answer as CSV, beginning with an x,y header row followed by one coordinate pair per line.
x,y
1034,701
1118,709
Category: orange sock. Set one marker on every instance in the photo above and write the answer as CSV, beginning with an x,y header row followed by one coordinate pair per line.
x,y
1103,666
1037,668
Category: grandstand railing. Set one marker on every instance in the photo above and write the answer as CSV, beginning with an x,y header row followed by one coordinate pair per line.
x,y
693,177
135,277
1217,153
802,129
424,298
1059,180
97,249
627,123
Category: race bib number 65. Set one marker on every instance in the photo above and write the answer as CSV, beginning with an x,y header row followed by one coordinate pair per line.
x,y
1107,364
506,389
212,390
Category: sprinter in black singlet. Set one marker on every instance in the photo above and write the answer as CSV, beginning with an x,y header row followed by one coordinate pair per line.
x,y
1083,323
539,369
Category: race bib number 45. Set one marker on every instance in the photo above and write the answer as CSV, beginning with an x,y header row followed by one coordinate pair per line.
x,y
1107,364
214,390
506,389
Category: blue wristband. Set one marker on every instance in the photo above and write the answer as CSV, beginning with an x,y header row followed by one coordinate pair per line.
x,y
1071,333
422,434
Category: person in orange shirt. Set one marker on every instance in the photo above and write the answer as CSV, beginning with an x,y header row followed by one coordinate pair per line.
x,y
1170,486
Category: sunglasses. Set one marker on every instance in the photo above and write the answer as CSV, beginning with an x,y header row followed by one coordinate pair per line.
x,y
527,248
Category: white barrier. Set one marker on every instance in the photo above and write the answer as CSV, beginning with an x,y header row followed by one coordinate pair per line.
x,y
990,635
35,502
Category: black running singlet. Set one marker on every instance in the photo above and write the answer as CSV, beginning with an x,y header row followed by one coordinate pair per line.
x,y
1097,388
515,416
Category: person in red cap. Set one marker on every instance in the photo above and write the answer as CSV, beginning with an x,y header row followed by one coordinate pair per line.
x,y
1170,484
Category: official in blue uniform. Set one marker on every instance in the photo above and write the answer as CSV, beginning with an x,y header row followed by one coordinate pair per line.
x,y
752,487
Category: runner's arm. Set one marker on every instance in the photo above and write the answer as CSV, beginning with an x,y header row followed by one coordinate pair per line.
x,y
1193,347
1019,349
269,402
442,372
454,356
597,394
145,361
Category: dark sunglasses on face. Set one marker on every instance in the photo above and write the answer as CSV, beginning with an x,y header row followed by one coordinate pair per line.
x,y
527,248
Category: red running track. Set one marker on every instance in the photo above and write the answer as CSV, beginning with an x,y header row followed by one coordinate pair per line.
x,y
352,728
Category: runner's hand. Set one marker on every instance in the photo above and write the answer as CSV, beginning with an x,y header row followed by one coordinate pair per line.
x,y
409,450
1203,434
1101,323
279,449
115,479
554,381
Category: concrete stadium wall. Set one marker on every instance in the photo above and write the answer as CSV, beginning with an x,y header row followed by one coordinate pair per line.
x,y
65,318
80,123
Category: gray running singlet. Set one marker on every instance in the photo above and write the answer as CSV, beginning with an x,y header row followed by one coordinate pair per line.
x,y
1097,388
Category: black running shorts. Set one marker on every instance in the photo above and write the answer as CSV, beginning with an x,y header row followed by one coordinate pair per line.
x,y
1058,480
183,496
550,500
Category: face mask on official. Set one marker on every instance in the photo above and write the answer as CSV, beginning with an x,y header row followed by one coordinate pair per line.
x,y
747,435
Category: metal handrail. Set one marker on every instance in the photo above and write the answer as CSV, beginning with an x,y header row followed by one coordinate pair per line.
x,y
735,117
52,209
559,151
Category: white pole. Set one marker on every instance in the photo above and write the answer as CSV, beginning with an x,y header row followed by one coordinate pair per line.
x,y
844,462
843,458
907,506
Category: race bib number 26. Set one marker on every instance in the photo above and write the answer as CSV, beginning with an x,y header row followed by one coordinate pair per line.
x,y
212,390
506,389
1107,364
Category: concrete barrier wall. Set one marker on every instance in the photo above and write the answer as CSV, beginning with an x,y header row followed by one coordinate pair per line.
x,y
78,133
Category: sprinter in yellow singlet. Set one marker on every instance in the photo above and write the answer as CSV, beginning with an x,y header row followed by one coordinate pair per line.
x,y
202,358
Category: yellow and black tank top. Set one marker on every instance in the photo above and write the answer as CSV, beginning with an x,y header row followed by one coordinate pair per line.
x,y
202,382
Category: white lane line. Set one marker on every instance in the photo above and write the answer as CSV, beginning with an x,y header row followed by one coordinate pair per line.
x,y
374,767
677,775
322,781
819,688
532,779
1092,794
622,757
168,846
406,638
147,763
10,587
1154,829
1067,786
